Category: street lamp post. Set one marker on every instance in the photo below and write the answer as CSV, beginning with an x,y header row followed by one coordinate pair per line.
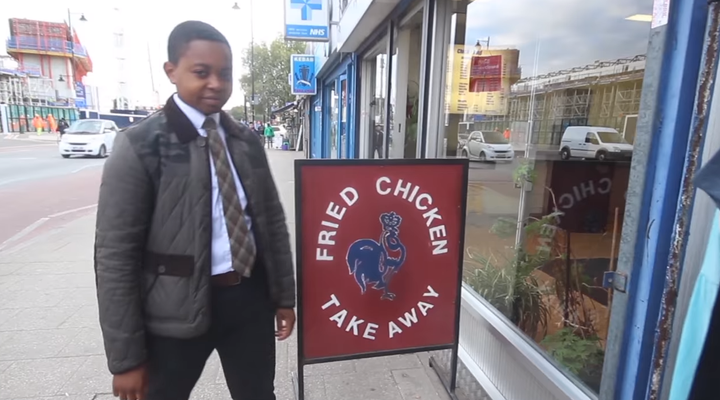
x,y
247,120
71,36
252,60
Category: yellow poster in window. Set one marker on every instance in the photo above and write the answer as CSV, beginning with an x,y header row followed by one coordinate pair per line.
x,y
479,81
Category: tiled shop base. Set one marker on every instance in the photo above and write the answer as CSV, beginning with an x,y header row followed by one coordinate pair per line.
x,y
468,387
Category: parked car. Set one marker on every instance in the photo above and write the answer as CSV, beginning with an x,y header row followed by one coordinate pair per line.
x,y
462,141
595,142
88,137
280,135
487,146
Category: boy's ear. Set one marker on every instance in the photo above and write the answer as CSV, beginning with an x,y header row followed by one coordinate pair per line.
x,y
170,71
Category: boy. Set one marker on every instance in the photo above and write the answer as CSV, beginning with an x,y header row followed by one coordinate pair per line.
x,y
192,253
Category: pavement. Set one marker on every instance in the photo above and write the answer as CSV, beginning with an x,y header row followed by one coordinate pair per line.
x,y
45,137
50,342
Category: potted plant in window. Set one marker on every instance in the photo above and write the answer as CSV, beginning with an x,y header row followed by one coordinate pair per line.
x,y
579,352
509,283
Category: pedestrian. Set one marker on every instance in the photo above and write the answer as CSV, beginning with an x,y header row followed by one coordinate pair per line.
x,y
269,136
259,134
183,267
38,124
62,125
52,123
378,142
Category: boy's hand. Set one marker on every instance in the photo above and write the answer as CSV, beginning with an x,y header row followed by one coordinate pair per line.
x,y
285,323
131,385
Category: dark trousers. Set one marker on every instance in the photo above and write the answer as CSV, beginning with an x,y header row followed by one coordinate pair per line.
x,y
379,151
243,332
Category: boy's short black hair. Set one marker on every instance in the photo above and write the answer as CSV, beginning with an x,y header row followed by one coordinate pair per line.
x,y
188,31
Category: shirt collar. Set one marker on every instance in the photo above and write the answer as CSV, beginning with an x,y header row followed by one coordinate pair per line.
x,y
196,117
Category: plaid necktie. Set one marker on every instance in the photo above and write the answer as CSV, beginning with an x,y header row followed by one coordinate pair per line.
x,y
242,246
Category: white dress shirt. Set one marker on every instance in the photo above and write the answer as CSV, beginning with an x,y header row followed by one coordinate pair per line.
x,y
221,257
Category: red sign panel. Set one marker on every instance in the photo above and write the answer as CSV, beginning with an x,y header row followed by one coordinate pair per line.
x,y
380,255
40,29
582,192
486,74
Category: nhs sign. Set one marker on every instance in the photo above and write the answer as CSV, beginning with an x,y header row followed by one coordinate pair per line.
x,y
307,20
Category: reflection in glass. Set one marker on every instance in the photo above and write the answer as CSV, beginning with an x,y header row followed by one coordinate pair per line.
x,y
392,135
378,105
406,87
333,122
545,103
610,137
494,138
343,118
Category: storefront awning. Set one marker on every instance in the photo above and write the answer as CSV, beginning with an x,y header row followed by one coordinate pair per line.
x,y
360,19
11,72
286,107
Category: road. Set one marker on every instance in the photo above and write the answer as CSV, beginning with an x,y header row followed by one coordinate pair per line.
x,y
39,190
51,345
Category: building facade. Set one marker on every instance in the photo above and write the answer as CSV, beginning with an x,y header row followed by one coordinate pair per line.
x,y
44,75
52,50
568,291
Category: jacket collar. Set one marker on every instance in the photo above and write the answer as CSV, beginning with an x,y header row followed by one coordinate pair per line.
x,y
185,130
196,117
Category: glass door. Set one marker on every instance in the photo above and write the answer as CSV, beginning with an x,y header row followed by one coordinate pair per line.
x,y
333,120
343,127
316,139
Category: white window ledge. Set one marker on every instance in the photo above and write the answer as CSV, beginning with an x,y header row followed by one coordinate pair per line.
x,y
503,360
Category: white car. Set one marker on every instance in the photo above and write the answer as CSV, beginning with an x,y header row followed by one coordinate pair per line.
x,y
487,146
88,137
280,133
594,142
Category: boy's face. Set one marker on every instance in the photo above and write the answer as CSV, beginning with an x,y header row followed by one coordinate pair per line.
x,y
203,75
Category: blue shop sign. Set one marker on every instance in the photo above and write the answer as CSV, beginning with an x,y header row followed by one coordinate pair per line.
x,y
307,20
303,80
79,90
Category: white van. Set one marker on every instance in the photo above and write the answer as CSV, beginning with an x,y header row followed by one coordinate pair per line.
x,y
594,142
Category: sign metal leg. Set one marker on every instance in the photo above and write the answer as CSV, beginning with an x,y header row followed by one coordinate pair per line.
x,y
299,383
451,383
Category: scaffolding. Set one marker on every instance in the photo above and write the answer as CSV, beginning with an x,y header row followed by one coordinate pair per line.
x,y
26,90
617,100
47,39
11,90
600,94
40,91
572,103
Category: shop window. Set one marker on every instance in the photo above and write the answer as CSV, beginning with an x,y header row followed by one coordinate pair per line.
x,y
373,100
343,119
405,86
394,138
544,101
334,123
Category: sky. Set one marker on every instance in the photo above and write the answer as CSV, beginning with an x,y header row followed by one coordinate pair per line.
x,y
147,26
567,33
